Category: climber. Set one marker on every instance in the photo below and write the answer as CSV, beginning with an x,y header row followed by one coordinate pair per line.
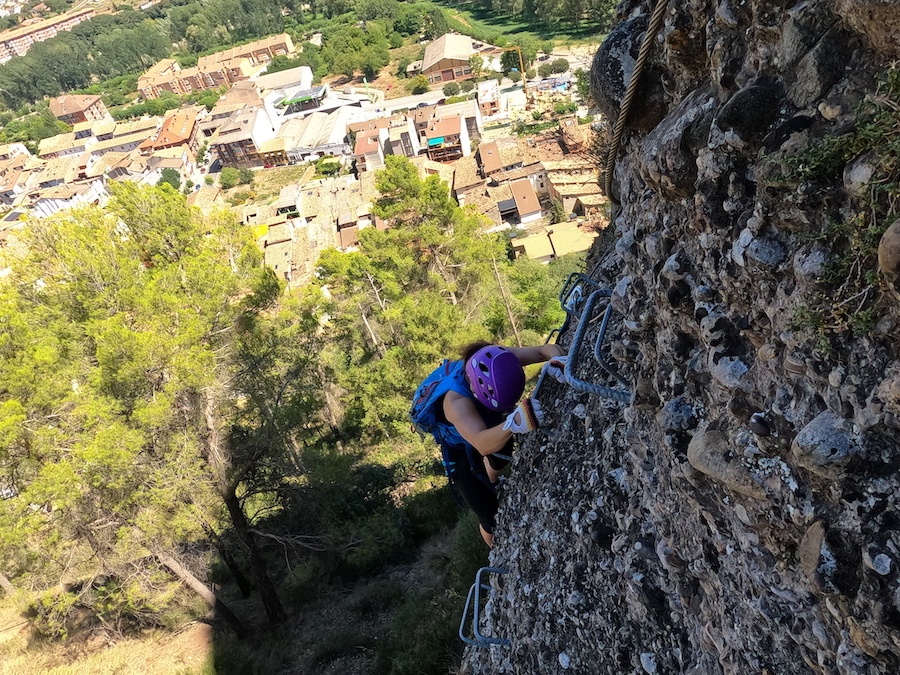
x,y
475,416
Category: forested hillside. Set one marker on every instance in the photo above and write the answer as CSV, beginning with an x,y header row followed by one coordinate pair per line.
x,y
171,416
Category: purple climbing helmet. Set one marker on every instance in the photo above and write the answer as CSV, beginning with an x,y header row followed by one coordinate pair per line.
x,y
496,377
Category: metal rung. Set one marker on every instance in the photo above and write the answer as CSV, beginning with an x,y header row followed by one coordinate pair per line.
x,y
574,290
608,367
477,639
571,363
577,285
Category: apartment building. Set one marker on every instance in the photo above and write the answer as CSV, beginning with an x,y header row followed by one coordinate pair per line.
x,y
258,53
168,76
74,109
18,41
221,69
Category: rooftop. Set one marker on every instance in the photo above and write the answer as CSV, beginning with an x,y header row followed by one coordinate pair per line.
x,y
302,77
446,126
448,46
489,154
526,199
466,175
247,49
565,238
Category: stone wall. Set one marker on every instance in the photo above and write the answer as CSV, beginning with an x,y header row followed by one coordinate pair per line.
x,y
741,515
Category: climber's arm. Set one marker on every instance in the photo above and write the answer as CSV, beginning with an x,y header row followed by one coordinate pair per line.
x,y
462,414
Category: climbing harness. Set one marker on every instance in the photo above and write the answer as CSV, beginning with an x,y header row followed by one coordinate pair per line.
x,y
625,108
477,639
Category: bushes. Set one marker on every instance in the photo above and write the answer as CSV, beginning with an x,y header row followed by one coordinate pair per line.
x,y
418,85
451,89
466,86
230,177
559,66
545,70
515,76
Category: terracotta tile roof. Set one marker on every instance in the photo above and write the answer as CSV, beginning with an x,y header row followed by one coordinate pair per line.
x,y
448,126
177,129
466,176
70,104
526,199
489,154
366,142
515,174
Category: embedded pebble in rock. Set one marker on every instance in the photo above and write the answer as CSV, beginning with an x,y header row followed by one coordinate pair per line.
x,y
648,663
711,453
889,251
882,564
825,445
742,514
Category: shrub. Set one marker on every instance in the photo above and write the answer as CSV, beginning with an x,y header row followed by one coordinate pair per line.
x,y
559,65
467,86
451,89
545,70
515,76
418,85
245,177
209,180
229,177
557,212
170,176
530,73
565,108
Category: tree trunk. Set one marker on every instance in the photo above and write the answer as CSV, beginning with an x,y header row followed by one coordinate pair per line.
x,y
265,587
236,572
184,576
6,584
509,312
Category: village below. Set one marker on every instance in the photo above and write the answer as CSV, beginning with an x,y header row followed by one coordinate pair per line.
x,y
296,159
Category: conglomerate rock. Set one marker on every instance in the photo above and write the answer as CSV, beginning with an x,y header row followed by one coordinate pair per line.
x,y
741,514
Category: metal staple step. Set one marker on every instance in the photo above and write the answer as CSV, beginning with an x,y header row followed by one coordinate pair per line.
x,y
477,639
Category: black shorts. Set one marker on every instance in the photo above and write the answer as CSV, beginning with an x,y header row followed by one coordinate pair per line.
x,y
476,490
478,494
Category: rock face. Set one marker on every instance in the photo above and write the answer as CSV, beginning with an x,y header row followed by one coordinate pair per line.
x,y
741,514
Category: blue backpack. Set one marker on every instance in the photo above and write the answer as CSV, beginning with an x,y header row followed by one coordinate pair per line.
x,y
426,418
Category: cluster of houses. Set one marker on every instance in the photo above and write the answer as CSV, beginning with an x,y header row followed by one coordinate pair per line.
x,y
284,118
74,168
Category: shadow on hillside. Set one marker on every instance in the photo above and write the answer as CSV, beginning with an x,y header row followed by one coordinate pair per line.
x,y
369,564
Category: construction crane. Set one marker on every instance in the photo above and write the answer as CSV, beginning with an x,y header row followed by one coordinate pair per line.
x,y
518,50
